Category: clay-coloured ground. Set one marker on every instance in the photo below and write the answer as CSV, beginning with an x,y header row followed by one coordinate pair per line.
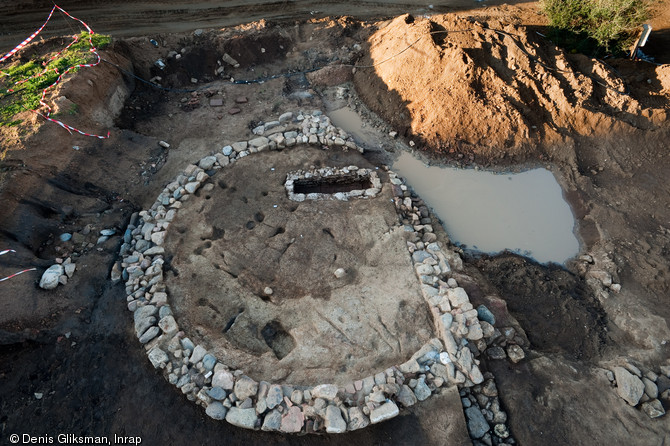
x,y
244,235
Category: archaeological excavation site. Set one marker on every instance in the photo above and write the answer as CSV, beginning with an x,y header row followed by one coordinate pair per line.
x,y
300,223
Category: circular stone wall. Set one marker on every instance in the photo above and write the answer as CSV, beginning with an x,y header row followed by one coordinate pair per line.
x,y
223,250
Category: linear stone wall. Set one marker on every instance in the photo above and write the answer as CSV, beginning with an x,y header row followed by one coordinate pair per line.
x,y
231,394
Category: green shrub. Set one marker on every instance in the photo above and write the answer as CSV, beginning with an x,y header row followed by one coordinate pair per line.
x,y
594,26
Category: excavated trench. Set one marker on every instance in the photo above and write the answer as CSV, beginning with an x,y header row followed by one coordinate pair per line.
x,y
330,185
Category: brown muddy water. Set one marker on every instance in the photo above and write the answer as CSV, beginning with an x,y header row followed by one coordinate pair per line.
x,y
491,212
484,211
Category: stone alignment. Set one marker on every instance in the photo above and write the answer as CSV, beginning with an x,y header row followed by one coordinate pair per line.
x,y
237,398
351,172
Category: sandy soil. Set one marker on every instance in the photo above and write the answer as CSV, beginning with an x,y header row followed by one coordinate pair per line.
x,y
75,344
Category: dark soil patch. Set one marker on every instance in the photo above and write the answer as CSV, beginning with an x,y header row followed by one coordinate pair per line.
x,y
553,306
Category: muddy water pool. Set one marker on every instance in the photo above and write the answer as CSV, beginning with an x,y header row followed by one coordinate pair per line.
x,y
483,211
491,212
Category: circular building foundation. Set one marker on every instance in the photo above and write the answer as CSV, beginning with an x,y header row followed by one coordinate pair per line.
x,y
280,296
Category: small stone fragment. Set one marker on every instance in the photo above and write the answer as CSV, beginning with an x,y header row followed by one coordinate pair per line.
x,y
406,397
148,335
217,393
272,421
293,421
245,387
650,388
422,391
457,296
69,269
296,396
515,353
50,278
207,162
335,424
477,424
245,418
158,357
325,391
496,353
629,386
199,352
274,396
501,430
485,314
208,361
384,412
357,419
653,408
216,410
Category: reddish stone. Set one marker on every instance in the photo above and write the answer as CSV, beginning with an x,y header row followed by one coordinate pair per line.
x,y
234,111
292,422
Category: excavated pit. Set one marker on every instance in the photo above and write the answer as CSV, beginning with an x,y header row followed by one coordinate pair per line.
x,y
330,185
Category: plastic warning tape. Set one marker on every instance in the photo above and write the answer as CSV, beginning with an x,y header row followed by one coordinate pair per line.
x,y
29,39
16,274
75,39
93,49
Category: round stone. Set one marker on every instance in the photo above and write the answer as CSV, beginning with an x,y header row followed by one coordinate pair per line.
x,y
501,430
216,410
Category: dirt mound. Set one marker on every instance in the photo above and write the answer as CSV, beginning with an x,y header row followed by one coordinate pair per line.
x,y
465,84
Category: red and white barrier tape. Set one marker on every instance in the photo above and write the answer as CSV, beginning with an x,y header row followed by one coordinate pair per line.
x,y
75,39
29,39
93,49
15,274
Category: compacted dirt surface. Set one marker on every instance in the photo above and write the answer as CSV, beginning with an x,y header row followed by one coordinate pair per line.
x,y
313,326
461,83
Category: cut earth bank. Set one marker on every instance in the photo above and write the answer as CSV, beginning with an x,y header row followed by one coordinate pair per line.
x,y
577,326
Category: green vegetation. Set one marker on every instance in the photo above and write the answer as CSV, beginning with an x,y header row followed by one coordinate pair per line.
x,y
26,96
596,27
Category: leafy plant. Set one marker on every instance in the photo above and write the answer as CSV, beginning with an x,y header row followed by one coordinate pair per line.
x,y
39,73
596,26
